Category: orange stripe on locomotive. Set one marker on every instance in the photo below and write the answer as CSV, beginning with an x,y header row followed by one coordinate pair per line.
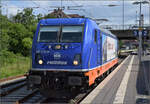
x,y
99,71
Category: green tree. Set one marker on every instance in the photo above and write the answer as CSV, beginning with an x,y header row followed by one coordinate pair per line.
x,y
26,17
4,28
27,23
17,32
4,43
27,45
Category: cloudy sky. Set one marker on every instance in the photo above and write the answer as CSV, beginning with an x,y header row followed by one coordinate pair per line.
x,y
94,9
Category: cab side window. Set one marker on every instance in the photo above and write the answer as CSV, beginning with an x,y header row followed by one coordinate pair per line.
x,y
95,36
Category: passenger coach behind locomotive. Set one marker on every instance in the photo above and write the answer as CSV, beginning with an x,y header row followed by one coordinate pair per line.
x,y
70,52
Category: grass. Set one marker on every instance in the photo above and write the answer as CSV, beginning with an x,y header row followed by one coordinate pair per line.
x,y
14,66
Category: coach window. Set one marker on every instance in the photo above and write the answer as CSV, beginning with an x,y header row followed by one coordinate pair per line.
x,y
95,37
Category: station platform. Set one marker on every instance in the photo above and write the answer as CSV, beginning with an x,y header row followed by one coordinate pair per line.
x,y
129,83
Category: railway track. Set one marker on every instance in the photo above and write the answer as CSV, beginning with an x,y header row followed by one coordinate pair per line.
x,y
16,92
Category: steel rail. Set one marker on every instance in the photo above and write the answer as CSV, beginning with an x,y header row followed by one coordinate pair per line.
x,y
12,83
22,100
11,78
4,93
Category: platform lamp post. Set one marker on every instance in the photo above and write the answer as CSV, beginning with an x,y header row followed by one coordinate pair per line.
x,y
148,2
149,17
140,27
123,14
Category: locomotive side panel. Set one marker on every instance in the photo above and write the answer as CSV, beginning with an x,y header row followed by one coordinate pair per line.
x,y
89,51
109,45
108,56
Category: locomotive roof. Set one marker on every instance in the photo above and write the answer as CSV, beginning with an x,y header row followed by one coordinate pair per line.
x,y
61,21
69,21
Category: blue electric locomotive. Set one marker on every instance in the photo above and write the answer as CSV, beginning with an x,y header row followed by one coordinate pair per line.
x,y
70,52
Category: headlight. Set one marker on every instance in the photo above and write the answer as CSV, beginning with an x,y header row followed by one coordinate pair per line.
x,y
58,47
40,62
77,59
75,62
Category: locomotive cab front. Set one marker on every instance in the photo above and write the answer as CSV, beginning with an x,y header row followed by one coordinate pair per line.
x,y
58,48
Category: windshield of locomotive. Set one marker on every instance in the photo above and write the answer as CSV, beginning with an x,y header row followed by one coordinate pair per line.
x,y
48,34
71,34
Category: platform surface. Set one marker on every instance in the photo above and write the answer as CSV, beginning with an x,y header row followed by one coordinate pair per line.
x,y
128,84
